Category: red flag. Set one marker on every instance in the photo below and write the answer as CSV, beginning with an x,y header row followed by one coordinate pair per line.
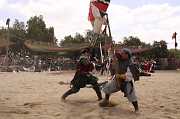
x,y
90,16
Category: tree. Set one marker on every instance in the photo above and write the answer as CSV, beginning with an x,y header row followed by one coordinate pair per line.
x,y
174,53
96,39
78,39
36,29
160,49
18,31
51,36
145,45
3,31
132,41
68,40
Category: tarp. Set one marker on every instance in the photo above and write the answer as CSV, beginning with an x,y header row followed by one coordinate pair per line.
x,y
45,47
136,50
4,43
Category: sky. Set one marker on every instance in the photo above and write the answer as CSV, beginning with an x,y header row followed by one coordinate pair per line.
x,y
150,20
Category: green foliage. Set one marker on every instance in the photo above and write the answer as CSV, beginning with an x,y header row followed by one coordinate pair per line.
x,y
18,31
50,35
160,49
132,41
174,53
90,38
37,31
78,39
3,32
96,39
36,28
68,40
73,42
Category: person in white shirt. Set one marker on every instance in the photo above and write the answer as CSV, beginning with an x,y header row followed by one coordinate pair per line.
x,y
123,79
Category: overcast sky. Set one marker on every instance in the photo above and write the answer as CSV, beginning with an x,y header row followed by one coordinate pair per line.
x,y
147,19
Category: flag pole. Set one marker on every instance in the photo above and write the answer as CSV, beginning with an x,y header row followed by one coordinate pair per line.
x,y
102,59
7,46
175,41
175,44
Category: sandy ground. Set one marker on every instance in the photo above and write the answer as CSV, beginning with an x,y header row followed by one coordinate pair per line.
x,y
37,96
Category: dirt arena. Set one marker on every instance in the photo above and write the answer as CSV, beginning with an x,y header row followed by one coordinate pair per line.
x,y
27,95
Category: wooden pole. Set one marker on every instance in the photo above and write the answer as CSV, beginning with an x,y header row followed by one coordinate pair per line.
x,y
102,59
7,46
175,34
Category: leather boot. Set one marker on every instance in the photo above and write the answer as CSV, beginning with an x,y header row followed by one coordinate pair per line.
x,y
105,101
69,92
136,107
98,92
